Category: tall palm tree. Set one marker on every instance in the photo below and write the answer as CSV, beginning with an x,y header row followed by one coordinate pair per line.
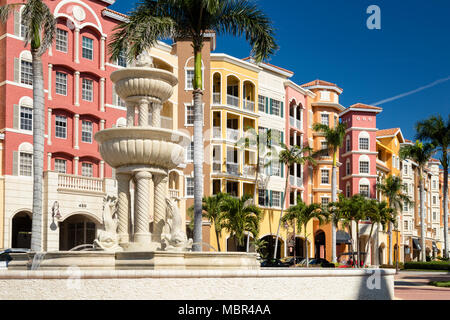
x,y
289,157
335,139
212,212
437,131
395,191
240,216
420,153
300,215
40,28
192,19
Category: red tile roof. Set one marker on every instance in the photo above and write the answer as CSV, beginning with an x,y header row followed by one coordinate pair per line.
x,y
319,82
364,106
387,132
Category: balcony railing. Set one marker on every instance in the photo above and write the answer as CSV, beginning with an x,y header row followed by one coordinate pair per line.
x,y
217,166
298,124
299,181
249,170
80,183
232,134
292,180
232,100
291,121
174,193
217,132
233,168
249,105
216,98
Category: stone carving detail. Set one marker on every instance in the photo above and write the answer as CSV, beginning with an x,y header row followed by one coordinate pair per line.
x,y
173,237
108,238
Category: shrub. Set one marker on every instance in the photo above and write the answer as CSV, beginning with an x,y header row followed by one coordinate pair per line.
x,y
432,265
401,266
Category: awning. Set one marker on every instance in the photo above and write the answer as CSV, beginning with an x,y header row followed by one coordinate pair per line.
x,y
435,247
416,244
342,237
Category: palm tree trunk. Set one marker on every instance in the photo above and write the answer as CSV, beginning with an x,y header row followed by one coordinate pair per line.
x,y
38,152
294,245
218,241
390,243
368,245
422,216
281,216
306,246
357,245
333,199
198,150
445,203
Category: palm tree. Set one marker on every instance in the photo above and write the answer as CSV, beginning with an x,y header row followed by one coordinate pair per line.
x,y
335,139
40,28
187,19
211,211
240,216
437,131
420,153
392,188
300,215
289,157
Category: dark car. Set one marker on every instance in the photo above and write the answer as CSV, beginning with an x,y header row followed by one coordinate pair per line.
x,y
274,263
5,257
318,262
290,261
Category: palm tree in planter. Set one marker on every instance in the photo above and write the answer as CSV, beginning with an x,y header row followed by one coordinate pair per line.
x,y
40,27
339,215
335,139
420,153
211,211
187,19
289,157
300,215
240,216
393,189
437,131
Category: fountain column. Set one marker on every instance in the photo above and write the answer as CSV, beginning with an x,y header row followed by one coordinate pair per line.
x,y
143,112
142,234
156,114
123,206
161,191
131,112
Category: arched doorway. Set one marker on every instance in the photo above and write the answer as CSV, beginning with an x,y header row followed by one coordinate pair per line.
x,y
381,254
267,251
299,248
320,245
21,230
233,246
76,230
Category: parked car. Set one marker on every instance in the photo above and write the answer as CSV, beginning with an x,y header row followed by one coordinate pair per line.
x,y
318,262
350,263
274,263
5,257
290,261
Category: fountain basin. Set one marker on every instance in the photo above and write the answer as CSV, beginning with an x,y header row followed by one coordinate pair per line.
x,y
144,82
149,146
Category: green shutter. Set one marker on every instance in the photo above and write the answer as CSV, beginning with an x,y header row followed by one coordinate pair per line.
x,y
266,105
271,105
282,169
270,198
266,198
15,163
281,200
16,116
282,108
17,23
16,70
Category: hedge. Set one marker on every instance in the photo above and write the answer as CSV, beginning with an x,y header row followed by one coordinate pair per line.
x,y
432,265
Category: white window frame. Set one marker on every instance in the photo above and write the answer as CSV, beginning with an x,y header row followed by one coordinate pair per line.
x,y
360,167
87,94
22,169
61,44
58,118
87,49
29,72
187,186
276,196
324,115
84,133
59,162
322,176
29,111
87,166
368,189
61,86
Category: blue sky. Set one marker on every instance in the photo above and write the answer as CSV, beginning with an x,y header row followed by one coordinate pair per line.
x,y
329,40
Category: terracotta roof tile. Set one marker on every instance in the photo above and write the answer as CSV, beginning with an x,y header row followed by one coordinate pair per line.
x,y
387,132
116,12
319,82
365,106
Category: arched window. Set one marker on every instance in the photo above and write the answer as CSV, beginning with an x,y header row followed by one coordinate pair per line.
x,y
26,68
347,190
25,114
364,187
364,141
347,167
25,163
364,164
348,147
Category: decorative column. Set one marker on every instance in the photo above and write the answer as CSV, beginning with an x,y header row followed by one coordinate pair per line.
x,y
77,45
49,161
102,124
75,165
102,94
143,112
123,206
102,53
142,233
49,126
131,113
156,114
50,71
75,131
102,169
161,191
77,89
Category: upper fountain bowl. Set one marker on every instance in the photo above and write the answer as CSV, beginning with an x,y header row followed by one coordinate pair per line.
x,y
137,82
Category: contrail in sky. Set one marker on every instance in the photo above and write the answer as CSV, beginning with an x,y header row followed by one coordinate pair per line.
x,y
434,83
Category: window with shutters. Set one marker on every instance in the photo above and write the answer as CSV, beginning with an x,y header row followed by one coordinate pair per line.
x,y
23,28
261,104
87,48
26,164
61,40
263,198
61,83
276,168
26,72
276,108
276,199
61,127
26,118
60,165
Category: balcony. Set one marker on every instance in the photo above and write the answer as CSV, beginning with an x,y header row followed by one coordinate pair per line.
x,y
233,168
299,182
216,98
249,105
292,180
299,124
217,133
217,166
79,183
233,101
174,194
232,134
249,170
